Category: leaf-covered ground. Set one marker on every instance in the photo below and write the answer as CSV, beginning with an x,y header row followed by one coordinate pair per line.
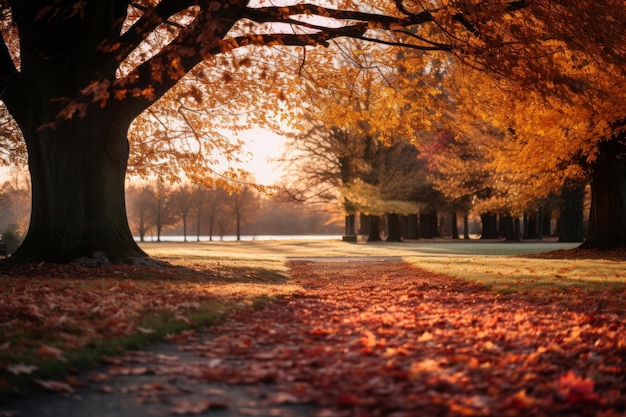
x,y
387,339
55,318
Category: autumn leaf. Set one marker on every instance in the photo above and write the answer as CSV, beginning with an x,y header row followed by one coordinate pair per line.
x,y
144,330
283,398
49,352
573,388
522,400
21,369
425,337
55,386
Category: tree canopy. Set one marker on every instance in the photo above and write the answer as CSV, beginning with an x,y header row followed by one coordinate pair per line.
x,y
75,74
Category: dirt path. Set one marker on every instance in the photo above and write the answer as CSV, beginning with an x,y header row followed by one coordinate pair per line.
x,y
378,338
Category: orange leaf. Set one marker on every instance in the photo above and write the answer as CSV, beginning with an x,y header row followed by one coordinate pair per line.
x,y
49,352
574,388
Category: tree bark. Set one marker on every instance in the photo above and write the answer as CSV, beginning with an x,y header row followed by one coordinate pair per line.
x,y
77,171
394,229
607,218
428,225
184,218
374,234
509,228
364,224
489,226
466,235
350,234
531,221
571,220
455,226
412,230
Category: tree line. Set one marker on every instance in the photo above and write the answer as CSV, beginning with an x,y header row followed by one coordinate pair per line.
x,y
362,141
156,209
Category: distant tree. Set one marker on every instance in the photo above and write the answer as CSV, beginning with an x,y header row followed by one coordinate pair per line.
x,y
243,204
13,149
140,203
198,206
279,217
181,202
14,213
356,136
216,204
572,213
163,209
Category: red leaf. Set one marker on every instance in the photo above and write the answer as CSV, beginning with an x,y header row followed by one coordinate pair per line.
x,y
188,407
574,388
49,352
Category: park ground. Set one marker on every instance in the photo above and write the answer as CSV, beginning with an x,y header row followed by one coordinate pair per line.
x,y
320,328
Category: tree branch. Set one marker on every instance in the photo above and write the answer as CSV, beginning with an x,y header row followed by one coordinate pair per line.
x,y
8,71
120,48
284,14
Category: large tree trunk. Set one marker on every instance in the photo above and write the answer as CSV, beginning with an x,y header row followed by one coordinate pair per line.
x,y
350,230
374,234
510,228
455,226
571,220
428,225
77,171
412,229
489,226
466,235
607,219
394,229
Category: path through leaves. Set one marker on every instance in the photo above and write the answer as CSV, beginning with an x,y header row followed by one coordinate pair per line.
x,y
386,339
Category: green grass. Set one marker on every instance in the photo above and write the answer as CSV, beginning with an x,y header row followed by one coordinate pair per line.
x,y
277,251
497,265
511,274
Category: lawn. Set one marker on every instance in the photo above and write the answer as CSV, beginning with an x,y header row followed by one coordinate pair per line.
x,y
505,267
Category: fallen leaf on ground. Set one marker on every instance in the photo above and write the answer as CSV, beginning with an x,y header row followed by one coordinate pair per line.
x,y
55,386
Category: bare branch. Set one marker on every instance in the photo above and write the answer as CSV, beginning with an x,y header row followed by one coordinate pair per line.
x,y
7,68
120,48
282,14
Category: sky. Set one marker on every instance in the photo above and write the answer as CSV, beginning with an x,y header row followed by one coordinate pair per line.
x,y
263,145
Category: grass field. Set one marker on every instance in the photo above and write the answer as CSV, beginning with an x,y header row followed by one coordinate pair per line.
x,y
281,250
498,265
